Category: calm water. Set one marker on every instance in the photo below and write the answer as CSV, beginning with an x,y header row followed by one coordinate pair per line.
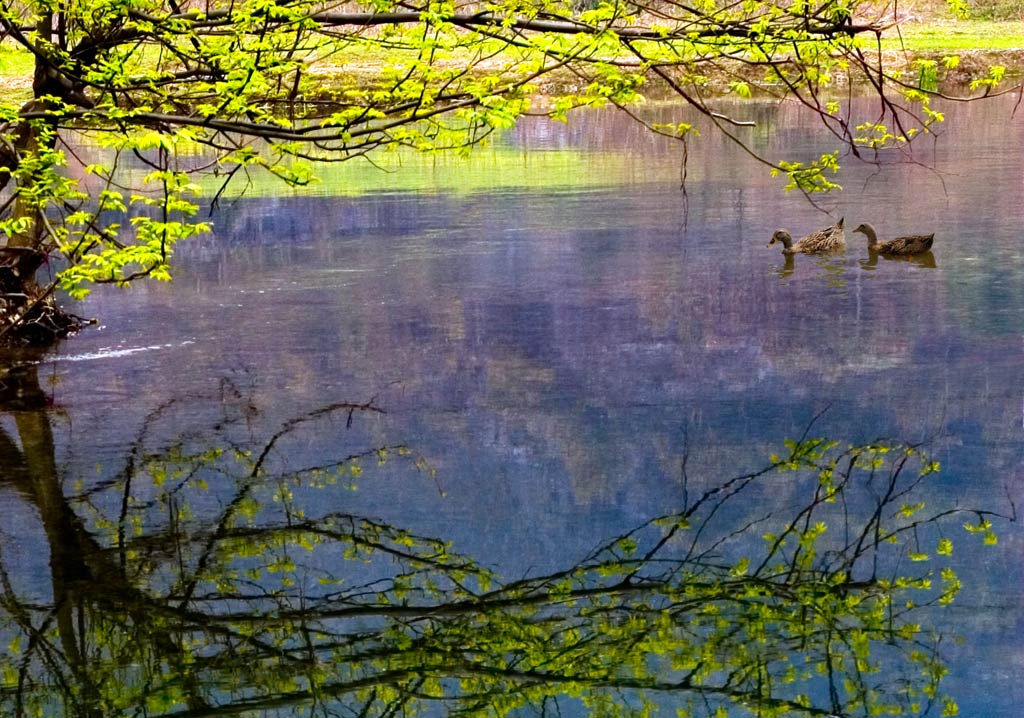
x,y
556,355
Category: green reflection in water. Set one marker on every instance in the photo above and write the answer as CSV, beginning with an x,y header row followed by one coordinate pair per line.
x,y
494,167
206,578
490,168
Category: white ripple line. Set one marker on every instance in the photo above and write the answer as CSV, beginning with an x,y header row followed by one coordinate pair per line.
x,y
114,353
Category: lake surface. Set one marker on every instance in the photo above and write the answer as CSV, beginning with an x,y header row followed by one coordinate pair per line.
x,y
560,335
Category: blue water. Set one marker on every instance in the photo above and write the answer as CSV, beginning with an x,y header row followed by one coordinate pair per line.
x,y
555,354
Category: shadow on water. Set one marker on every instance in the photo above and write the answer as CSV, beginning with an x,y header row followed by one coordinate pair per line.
x,y
207,576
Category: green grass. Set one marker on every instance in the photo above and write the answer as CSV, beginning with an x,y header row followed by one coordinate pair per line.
x,y
15,61
16,69
956,36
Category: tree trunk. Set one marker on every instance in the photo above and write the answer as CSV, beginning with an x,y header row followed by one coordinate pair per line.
x,y
28,312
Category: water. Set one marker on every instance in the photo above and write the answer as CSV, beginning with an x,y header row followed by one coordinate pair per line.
x,y
557,356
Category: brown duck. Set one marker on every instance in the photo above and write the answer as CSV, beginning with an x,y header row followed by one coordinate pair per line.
x,y
903,246
820,241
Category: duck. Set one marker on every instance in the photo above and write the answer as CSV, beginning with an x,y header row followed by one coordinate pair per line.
x,y
902,246
820,241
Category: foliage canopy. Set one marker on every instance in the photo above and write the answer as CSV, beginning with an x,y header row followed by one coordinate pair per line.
x,y
228,87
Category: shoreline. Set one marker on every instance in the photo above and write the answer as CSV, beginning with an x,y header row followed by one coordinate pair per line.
x,y
917,38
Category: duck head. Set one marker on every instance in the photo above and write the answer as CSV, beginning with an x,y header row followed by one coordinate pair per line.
x,y
783,236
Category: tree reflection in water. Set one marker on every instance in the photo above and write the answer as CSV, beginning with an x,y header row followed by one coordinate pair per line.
x,y
206,579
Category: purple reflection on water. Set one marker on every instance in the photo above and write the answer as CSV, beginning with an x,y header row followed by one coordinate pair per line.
x,y
557,353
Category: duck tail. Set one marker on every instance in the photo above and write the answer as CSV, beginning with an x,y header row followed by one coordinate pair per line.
x,y
840,222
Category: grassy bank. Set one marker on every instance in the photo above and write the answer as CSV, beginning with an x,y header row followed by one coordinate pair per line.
x,y
981,43
955,36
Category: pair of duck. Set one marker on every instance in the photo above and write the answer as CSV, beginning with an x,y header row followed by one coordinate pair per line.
x,y
834,238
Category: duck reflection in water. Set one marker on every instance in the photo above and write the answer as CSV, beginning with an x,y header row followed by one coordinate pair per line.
x,y
788,266
828,263
832,264
925,260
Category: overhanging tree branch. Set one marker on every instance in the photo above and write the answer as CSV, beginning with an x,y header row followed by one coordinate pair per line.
x,y
266,85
